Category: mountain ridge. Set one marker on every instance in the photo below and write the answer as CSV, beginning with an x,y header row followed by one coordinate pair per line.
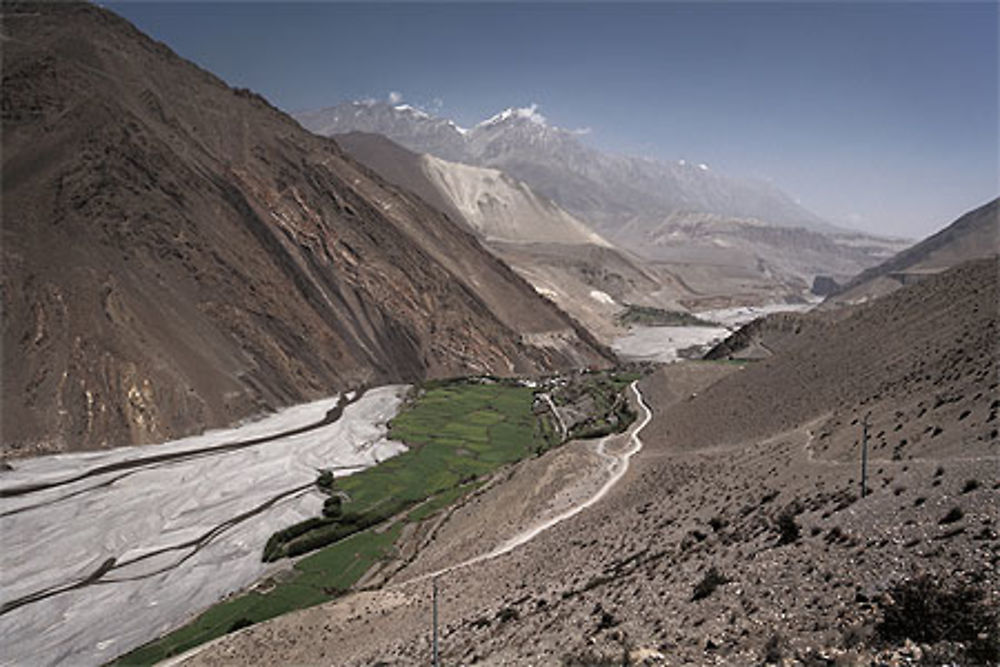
x,y
179,255
501,142
974,235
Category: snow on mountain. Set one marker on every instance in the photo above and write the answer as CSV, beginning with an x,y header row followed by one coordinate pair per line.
x,y
678,211
527,113
611,192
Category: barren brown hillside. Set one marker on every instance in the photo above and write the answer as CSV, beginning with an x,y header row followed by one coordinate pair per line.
x,y
738,536
178,255
917,359
973,236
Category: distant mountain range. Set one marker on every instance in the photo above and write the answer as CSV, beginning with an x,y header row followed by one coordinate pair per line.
x,y
559,255
717,239
178,255
614,193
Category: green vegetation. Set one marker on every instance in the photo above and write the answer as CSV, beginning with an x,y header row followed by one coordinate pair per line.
x,y
312,581
598,400
457,431
658,317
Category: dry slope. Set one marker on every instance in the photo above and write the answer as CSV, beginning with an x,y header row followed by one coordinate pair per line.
x,y
974,235
558,254
738,536
178,254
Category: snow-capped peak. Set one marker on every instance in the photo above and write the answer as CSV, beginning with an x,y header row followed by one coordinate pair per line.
x,y
528,113
413,110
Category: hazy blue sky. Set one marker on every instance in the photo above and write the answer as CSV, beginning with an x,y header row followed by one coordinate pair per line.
x,y
880,115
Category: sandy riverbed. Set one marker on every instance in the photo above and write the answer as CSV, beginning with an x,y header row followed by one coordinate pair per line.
x,y
662,344
58,536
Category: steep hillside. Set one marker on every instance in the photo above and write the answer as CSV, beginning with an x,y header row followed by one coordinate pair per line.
x,y
496,206
922,360
178,255
974,235
559,255
682,214
602,189
738,535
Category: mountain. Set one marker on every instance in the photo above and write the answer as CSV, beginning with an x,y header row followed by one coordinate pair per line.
x,y
974,235
738,534
494,205
602,189
679,214
560,256
178,254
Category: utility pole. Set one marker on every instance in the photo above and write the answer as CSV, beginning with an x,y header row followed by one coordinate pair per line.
x,y
864,455
434,644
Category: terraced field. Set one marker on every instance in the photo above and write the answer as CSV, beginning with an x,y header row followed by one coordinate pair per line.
x,y
456,432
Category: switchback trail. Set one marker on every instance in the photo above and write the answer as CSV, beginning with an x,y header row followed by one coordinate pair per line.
x,y
618,466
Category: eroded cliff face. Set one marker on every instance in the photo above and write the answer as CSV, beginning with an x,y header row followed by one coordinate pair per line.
x,y
178,255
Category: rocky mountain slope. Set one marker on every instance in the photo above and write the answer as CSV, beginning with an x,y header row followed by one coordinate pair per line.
x,y
680,214
974,235
178,255
560,256
739,534
602,189
494,205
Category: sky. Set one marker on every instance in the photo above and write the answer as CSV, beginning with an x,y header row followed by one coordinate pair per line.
x,y
878,116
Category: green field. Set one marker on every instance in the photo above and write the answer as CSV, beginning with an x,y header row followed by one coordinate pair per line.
x,y
658,317
457,432
315,579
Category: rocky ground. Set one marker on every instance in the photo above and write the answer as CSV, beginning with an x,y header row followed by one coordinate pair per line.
x,y
720,549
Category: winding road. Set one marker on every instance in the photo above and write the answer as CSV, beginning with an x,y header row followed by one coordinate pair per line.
x,y
618,464
617,467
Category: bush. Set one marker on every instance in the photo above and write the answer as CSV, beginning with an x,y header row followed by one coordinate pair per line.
x,y
240,623
926,610
774,649
333,507
325,481
712,580
508,614
788,529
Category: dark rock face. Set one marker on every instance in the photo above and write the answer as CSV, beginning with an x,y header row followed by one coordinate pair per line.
x,y
824,286
178,254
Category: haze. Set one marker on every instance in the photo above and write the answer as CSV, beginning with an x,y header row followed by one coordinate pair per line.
x,y
876,116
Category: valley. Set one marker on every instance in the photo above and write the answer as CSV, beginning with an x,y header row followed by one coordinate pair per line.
x,y
292,383
121,556
738,532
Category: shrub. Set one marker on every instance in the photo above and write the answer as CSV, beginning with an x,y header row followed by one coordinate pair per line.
x,y
333,507
508,614
712,580
788,529
240,623
926,610
325,480
774,649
